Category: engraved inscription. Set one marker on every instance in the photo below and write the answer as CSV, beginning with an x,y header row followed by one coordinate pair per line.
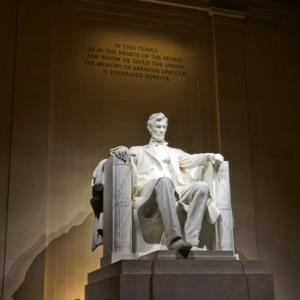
x,y
135,61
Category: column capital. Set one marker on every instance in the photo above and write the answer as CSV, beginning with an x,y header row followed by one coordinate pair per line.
x,y
223,12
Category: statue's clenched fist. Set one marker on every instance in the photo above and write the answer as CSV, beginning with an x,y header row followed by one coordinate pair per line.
x,y
120,152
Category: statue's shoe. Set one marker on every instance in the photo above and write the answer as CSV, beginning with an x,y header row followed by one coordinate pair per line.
x,y
199,248
180,245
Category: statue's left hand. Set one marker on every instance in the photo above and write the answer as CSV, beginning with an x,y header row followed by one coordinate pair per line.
x,y
218,159
215,158
120,152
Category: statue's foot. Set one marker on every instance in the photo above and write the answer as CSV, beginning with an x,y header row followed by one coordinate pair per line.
x,y
196,248
180,245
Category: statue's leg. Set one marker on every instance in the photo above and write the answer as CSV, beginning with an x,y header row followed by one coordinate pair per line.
x,y
196,196
166,201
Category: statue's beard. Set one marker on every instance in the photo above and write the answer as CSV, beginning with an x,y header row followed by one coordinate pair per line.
x,y
158,138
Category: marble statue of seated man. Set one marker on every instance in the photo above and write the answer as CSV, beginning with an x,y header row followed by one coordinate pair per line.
x,y
162,179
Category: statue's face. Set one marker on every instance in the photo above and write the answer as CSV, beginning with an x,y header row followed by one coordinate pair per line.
x,y
158,130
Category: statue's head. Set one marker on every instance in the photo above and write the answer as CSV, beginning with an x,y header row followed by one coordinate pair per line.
x,y
157,125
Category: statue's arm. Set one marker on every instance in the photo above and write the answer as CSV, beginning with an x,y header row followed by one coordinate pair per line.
x,y
125,154
194,160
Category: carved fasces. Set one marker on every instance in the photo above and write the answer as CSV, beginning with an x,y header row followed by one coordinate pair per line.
x,y
224,226
117,225
122,206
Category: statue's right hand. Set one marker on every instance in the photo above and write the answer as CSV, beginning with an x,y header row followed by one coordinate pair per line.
x,y
120,152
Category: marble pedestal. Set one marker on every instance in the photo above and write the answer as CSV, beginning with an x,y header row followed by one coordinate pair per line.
x,y
168,276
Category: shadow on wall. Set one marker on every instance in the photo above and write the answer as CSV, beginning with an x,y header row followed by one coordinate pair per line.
x,y
67,266
33,286
34,283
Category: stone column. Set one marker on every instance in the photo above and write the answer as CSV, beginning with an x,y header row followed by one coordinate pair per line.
x,y
233,123
7,62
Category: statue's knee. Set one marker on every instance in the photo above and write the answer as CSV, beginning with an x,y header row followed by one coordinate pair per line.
x,y
164,181
201,188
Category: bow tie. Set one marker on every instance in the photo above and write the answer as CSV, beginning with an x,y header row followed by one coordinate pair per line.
x,y
156,143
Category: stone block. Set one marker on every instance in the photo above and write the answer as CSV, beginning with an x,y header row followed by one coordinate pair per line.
x,y
164,277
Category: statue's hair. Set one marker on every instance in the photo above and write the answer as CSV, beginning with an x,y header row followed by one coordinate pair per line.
x,y
156,117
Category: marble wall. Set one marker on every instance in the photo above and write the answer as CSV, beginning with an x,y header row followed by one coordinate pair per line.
x,y
7,59
236,93
272,60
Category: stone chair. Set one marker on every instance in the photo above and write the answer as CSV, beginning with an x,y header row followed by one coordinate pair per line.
x,y
123,238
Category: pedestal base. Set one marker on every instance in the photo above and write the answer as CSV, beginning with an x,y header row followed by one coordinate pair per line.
x,y
174,278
